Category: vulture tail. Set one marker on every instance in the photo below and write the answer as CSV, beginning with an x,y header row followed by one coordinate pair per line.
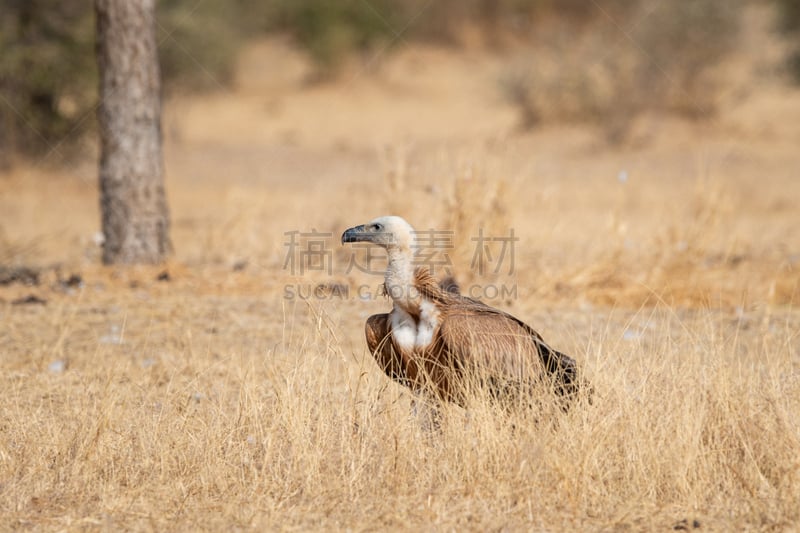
x,y
563,369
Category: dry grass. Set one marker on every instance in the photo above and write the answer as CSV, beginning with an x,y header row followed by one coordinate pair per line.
x,y
211,401
214,411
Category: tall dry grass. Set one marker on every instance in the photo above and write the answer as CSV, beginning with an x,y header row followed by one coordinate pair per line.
x,y
223,411
212,401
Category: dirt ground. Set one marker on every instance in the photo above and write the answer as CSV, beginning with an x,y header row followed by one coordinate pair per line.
x,y
231,387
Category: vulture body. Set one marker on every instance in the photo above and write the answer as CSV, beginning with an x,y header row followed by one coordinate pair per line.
x,y
437,340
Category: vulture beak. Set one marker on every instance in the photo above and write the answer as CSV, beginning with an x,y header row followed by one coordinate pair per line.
x,y
356,234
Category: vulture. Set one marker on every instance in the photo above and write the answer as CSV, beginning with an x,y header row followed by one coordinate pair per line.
x,y
435,340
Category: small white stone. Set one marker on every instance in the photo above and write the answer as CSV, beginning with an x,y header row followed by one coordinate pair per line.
x,y
57,367
631,335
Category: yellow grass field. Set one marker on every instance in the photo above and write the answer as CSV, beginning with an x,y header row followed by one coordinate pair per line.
x,y
237,393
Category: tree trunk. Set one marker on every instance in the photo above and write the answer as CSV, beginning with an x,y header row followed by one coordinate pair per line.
x,y
134,209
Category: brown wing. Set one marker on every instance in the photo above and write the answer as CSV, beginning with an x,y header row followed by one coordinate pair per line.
x,y
475,334
502,346
379,341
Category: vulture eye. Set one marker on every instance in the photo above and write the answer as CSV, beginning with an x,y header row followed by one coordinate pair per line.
x,y
377,227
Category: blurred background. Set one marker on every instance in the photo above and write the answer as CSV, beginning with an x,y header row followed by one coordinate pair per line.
x,y
606,61
607,129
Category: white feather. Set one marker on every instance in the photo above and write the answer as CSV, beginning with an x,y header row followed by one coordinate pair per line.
x,y
404,330
428,320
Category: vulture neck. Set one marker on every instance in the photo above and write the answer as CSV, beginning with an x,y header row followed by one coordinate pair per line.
x,y
399,282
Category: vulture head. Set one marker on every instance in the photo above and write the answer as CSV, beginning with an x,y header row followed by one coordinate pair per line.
x,y
390,232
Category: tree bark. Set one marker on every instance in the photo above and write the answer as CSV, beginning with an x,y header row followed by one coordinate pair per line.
x,y
135,216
